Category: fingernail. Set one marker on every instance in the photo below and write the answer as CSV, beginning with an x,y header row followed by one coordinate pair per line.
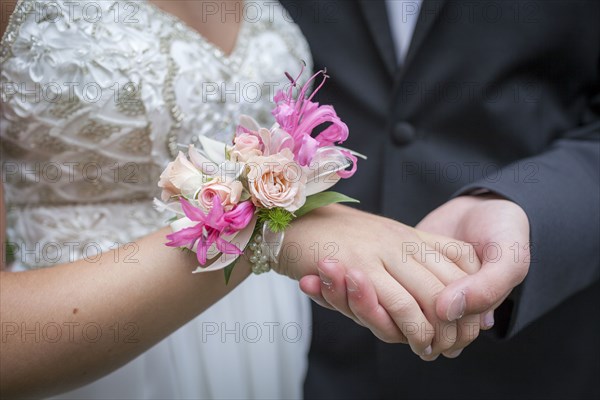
x,y
351,284
457,306
454,354
427,351
488,320
324,278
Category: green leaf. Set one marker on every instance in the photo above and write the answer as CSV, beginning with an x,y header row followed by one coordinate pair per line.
x,y
323,199
229,269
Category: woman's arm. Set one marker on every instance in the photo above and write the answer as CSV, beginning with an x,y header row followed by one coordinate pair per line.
x,y
2,229
64,326
70,324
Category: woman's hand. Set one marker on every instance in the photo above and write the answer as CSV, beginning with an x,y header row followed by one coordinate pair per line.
x,y
383,274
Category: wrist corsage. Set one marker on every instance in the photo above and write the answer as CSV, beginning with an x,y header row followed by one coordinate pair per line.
x,y
231,198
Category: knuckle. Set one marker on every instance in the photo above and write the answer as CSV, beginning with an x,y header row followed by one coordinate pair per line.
x,y
430,289
431,282
399,306
435,289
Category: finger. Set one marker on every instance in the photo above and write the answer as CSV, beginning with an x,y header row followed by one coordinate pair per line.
x,y
467,328
404,311
311,286
455,251
425,287
479,292
362,300
487,318
467,331
445,270
333,287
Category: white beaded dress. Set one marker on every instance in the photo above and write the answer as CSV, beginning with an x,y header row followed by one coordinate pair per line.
x,y
96,95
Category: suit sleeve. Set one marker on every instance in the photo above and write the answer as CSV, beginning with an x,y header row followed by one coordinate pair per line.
x,y
559,190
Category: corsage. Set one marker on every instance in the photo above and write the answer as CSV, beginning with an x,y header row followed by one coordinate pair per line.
x,y
237,198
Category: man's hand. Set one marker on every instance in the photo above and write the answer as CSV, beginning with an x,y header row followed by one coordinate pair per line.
x,y
499,231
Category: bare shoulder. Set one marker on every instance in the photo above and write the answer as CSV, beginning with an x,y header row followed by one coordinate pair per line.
x,y
6,9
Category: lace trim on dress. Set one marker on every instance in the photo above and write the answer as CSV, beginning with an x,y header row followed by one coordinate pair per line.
x,y
16,18
230,62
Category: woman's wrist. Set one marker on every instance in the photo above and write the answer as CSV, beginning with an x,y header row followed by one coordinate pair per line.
x,y
297,257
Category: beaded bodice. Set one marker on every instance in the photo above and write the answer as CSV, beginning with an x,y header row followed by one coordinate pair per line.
x,y
96,97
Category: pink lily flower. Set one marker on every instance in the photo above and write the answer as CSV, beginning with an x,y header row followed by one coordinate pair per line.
x,y
211,228
347,174
299,117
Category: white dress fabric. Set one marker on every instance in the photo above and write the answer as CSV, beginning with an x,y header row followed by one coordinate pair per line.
x,y
95,98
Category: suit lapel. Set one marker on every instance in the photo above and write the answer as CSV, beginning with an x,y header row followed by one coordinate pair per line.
x,y
375,14
430,11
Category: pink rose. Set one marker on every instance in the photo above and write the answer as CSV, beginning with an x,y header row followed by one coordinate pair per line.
x,y
228,191
245,146
276,181
180,177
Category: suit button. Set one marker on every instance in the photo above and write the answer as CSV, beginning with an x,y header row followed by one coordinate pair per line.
x,y
403,133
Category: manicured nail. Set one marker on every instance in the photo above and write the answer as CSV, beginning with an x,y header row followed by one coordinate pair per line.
x,y
351,284
325,279
454,354
427,351
457,306
488,320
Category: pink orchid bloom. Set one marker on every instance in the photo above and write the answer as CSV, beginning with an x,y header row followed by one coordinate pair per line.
x,y
211,228
299,117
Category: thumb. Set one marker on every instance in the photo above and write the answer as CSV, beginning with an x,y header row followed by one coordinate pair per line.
x,y
477,293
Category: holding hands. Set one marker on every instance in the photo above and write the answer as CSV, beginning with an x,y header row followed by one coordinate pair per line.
x,y
419,286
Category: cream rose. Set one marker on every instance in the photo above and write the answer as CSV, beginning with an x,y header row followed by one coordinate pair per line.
x,y
245,146
180,177
276,181
228,191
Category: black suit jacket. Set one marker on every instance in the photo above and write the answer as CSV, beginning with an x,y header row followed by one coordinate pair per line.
x,y
501,95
